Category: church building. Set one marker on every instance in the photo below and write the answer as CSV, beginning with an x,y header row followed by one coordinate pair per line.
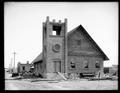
x,y
67,53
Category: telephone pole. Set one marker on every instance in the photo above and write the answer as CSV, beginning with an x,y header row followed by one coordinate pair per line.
x,y
14,59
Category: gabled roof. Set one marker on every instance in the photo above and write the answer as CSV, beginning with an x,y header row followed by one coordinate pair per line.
x,y
38,58
81,28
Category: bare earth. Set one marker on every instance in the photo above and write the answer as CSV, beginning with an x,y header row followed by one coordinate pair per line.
x,y
80,84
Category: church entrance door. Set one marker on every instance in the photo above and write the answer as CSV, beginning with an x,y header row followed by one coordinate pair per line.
x,y
57,66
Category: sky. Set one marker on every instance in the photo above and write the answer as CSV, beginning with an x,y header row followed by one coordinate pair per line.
x,y
23,26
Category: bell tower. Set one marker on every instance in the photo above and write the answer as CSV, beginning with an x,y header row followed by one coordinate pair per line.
x,y
55,46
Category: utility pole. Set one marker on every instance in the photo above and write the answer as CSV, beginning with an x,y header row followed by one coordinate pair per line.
x,y
10,66
11,69
14,60
11,63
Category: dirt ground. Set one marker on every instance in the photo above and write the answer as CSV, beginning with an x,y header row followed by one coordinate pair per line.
x,y
62,85
81,84
87,85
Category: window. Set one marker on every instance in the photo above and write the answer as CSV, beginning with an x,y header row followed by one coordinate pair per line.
x,y
97,64
72,65
56,30
78,42
85,64
56,48
23,67
106,70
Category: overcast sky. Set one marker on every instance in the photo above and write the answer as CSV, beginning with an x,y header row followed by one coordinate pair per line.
x,y
23,26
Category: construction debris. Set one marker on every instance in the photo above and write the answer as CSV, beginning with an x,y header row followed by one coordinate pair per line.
x,y
41,79
103,78
61,75
54,78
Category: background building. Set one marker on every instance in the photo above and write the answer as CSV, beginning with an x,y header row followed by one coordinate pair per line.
x,y
21,68
112,71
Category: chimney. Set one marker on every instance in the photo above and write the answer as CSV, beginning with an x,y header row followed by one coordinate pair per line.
x,y
27,62
65,20
47,18
53,20
59,21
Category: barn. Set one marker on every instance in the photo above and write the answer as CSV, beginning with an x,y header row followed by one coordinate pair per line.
x,y
69,53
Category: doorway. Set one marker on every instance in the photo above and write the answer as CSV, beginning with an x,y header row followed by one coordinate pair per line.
x,y
57,66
